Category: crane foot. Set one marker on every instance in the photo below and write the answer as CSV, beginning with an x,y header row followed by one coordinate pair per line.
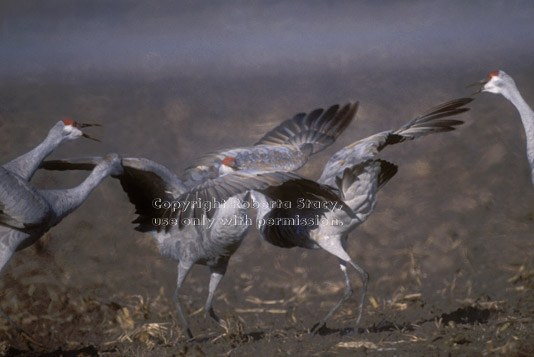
x,y
189,333
317,327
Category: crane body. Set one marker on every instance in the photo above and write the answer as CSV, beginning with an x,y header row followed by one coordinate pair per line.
x,y
226,178
358,175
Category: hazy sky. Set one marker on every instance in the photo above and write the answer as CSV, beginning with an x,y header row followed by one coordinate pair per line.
x,y
158,38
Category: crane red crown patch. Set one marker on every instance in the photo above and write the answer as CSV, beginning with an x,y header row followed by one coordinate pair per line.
x,y
494,74
228,161
68,121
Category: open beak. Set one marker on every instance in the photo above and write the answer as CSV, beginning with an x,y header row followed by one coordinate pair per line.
x,y
85,125
477,83
90,137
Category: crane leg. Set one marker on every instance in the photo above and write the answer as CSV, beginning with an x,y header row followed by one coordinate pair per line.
x,y
216,276
183,270
337,247
6,250
365,280
19,329
5,255
346,295
15,326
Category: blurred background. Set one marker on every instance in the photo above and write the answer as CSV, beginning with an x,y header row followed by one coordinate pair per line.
x,y
171,80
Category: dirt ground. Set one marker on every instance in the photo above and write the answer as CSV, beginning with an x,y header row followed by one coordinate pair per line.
x,y
484,305
449,249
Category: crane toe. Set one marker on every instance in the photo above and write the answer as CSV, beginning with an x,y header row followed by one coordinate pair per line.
x,y
317,327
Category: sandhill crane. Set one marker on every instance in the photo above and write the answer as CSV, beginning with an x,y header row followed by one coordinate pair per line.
x,y
210,243
213,242
25,212
499,82
358,174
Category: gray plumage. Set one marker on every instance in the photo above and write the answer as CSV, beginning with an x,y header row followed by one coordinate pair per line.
x,y
226,179
358,174
268,163
26,213
433,121
210,243
285,148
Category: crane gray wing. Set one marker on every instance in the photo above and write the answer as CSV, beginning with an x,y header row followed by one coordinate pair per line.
x,y
353,155
278,185
310,133
320,128
142,179
205,168
287,235
358,185
21,205
381,172
432,121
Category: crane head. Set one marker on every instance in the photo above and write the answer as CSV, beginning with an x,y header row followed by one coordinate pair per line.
x,y
72,129
496,82
228,165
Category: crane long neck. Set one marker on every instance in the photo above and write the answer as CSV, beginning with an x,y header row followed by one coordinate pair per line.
x,y
26,165
66,201
527,117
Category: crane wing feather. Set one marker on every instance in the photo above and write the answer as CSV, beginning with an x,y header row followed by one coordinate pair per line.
x,y
366,149
277,185
319,128
142,179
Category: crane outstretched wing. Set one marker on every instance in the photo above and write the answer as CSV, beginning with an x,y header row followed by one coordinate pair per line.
x,y
277,185
359,184
142,179
432,121
319,128
310,133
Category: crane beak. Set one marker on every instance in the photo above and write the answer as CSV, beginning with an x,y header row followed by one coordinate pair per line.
x,y
85,125
477,83
90,137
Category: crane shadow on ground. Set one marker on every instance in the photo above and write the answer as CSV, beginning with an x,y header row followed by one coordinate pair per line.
x,y
243,337
85,351
464,315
